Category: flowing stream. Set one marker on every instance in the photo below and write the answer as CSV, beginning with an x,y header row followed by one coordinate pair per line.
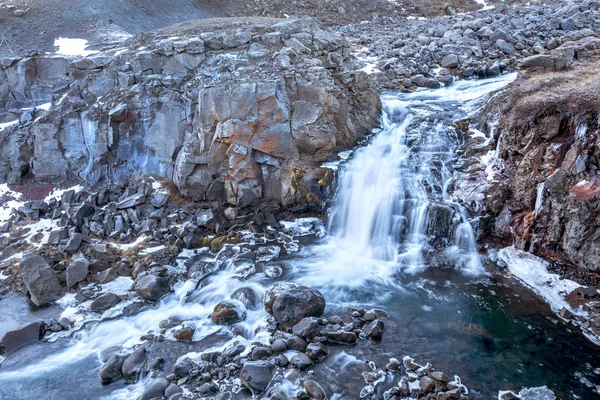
x,y
396,240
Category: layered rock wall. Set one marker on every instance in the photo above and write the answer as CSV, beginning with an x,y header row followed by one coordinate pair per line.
x,y
235,111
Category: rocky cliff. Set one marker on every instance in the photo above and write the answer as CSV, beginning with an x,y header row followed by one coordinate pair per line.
x,y
239,111
538,184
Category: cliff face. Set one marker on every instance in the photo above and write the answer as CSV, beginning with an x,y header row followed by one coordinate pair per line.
x,y
542,192
237,111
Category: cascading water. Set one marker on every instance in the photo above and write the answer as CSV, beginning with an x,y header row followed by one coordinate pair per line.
x,y
393,212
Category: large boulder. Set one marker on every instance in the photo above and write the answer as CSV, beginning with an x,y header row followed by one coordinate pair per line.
x,y
294,304
256,375
14,340
39,279
111,370
151,287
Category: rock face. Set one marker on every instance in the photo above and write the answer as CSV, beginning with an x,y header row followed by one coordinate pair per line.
x,y
39,279
543,196
227,110
291,306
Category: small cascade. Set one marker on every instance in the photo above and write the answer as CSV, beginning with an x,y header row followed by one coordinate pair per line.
x,y
393,203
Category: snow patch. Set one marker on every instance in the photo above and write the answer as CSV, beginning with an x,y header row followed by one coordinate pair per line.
x,y
533,272
5,125
72,47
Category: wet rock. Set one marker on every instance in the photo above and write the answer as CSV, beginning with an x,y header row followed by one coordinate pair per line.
x,y
228,312
273,292
296,343
256,375
104,302
134,364
307,327
292,305
112,369
301,361
247,296
39,279
77,271
317,351
156,388
14,340
184,334
374,329
260,353
342,337
314,390
281,361
151,287
172,390
279,346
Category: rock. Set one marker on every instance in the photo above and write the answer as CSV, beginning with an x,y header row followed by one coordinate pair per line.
x,y
8,252
274,291
296,343
131,201
307,327
342,337
256,375
156,388
440,376
247,296
317,351
228,312
587,292
505,47
292,305
14,340
450,10
172,390
119,112
74,242
111,370
184,334
450,61
374,329
314,390
565,313
134,364
279,346
19,13
301,361
104,302
151,287
39,279
426,384
77,271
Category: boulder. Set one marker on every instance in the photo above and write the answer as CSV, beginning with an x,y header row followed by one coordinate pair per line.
x,y
156,388
151,287
228,312
14,340
39,279
256,375
111,370
134,365
77,271
314,390
104,302
294,304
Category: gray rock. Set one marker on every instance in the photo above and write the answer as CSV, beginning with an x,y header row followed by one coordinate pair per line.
x,y
317,351
134,364
14,340
151,287
74,242
307,327
256,375
156,388
450,61
39,279
77,271
104,302
131,201
292,305
301,361
111,370
374,329
119,112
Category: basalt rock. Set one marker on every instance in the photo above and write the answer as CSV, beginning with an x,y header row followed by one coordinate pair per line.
x,y
291,306
256,375
39,279
236,111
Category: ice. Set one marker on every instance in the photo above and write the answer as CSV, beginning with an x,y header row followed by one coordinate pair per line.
x,y
533,272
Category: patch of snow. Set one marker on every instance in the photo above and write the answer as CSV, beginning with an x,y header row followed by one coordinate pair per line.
x,y
533,272
72,47
370,68
45,106
57,193
5,125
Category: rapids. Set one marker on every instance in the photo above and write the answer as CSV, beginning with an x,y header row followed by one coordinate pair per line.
x,y
392,233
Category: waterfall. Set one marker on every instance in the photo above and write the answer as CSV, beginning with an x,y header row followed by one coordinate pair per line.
x,y
393,202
